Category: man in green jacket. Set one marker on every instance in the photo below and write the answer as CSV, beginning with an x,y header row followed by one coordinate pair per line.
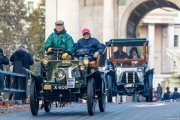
x,y
59,39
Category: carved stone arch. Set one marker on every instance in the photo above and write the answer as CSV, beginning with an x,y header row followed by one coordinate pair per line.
x,y
136,10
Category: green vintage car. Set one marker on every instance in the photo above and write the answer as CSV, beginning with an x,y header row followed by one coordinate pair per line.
x,y
63,81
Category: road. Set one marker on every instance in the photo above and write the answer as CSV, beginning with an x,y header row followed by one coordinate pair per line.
x,y
114,111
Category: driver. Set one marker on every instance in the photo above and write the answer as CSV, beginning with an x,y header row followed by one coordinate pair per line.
x,y
59,39
120,54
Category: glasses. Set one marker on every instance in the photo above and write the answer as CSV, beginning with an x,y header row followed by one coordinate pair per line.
x,y
85,34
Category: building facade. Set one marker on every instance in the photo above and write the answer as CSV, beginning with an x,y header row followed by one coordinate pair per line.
x,y
109,19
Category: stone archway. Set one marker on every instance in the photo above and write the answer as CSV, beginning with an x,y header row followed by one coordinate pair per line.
x,y
137,10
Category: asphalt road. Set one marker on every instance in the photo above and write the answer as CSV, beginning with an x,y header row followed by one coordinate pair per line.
x,y
114,111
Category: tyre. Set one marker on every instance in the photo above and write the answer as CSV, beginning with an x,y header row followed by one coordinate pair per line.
x,y
109,91
34,102
47,106
149,97
91,100
102,100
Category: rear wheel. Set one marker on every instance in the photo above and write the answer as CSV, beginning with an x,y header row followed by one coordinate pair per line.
x,y
149,97
47,106
34,102
91,100
109,91
102,100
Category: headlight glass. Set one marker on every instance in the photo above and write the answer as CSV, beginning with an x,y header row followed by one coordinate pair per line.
x,y
59,73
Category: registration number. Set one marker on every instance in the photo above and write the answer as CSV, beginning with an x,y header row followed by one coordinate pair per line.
x,y
59,87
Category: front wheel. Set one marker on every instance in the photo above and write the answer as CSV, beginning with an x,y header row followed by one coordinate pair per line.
x,y
102,100
34,101
47,106
91,100
109,91
149,97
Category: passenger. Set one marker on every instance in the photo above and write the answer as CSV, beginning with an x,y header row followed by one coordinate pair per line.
x,y
120,54
59,39
134,55
88,46
3,59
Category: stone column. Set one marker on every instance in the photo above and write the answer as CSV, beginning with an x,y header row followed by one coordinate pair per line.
x,y
170,42
68,11
151,30
74,29
164,46
50,16
108,20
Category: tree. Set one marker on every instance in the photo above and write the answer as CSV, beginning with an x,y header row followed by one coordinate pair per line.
x,y
12,21
36,31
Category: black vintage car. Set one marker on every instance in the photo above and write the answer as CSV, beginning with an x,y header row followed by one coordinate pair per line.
x,y
128,73
62,81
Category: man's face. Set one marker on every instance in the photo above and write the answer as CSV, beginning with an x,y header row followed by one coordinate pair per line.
x,y
59,27
86,35
120,48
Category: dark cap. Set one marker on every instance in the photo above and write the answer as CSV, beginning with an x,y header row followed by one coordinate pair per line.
x,y
1,50
59,22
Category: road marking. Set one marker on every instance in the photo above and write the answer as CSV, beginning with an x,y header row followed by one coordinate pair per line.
x,y
150,104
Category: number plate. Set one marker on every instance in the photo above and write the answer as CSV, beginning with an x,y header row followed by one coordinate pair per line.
x,y
71,83
59,87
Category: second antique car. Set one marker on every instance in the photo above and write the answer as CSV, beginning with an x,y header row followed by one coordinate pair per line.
x,y
127,73
63,81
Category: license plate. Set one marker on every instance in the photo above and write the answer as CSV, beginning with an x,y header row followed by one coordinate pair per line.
x,y
129,85
71,83
59,87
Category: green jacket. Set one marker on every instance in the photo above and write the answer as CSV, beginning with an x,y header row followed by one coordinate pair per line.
x,y
60,40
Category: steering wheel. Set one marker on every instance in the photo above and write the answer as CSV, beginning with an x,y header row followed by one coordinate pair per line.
x,y
58,52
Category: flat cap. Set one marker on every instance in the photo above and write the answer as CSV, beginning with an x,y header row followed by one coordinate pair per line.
x,y
59,22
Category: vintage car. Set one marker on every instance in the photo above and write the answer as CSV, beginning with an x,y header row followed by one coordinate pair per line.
x,y
64,81
128,74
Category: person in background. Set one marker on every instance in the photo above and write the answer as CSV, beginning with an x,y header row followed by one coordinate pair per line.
x,y
3,59
159,91
175,95
166,95
23,55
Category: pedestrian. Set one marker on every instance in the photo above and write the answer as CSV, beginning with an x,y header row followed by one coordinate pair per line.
x,y
166,95
59,39
3,60
23,55
88,46
159,91
175,95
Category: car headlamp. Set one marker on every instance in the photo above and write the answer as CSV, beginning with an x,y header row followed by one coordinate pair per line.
x,y
45,60
59,73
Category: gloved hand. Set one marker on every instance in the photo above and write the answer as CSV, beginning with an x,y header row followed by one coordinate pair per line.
x,y
49,49
75,58
96,54
64,56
